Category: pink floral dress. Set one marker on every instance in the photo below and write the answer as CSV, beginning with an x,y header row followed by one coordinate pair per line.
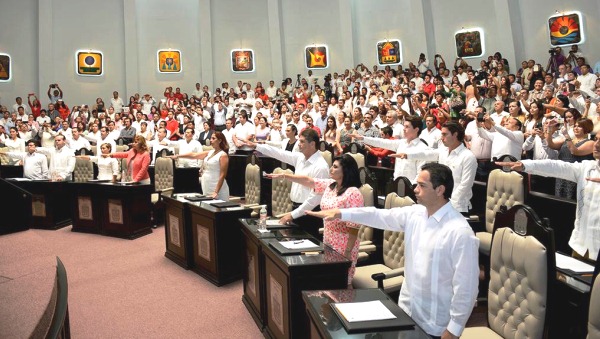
x,y
337,232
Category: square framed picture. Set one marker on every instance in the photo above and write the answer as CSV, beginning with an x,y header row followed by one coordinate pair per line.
x,y
470,43
565,29
316,56
389,52
5,67
89,63
169,61
242,61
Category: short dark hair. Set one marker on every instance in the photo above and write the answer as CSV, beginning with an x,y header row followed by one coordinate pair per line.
x,y
457,128
387,130
310,135
440,175
351,177
415,121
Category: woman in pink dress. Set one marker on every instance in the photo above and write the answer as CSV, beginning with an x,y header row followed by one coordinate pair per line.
x,y
340,191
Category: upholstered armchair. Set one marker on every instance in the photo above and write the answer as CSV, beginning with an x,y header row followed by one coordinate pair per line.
x,y
83,171
163,186
387,276
280,197
522,276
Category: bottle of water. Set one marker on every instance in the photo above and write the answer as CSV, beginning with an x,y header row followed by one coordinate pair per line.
x,y
262,222
124,176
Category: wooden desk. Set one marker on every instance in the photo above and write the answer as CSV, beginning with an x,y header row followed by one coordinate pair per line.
x,y
178,231
50,208
11,171
573,292
285,279
18,201
112,209
254,265
385,177
325,324
217,244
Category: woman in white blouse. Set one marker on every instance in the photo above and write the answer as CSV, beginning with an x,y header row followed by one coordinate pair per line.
x,y
108,168
14,144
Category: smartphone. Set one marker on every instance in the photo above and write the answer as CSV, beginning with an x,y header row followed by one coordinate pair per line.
x,y
538,125
536,68
481,117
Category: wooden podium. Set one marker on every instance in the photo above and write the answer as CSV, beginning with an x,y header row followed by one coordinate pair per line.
x,y
50,208
178,231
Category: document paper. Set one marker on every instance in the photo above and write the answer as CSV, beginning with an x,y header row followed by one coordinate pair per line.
x,y
569,263
298,244
364,311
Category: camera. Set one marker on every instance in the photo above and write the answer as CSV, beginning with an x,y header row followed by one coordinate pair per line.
x,y
552,51
481,117
433,106
538,125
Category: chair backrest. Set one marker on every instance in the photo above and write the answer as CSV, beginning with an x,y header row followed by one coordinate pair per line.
x,y
365,232
83,171
393,242
594,316
252,186
163,173
328,157
503,189
401,186
122,148
522,274
164,153
280,197
84,151
4,159
360,159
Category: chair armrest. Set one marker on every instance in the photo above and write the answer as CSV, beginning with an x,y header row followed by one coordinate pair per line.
x,y
380,277
235,198
367,248
366,242
279,215
165,192
250,205
321,230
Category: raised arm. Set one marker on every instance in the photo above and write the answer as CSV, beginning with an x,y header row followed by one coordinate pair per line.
x,y
191,155
300,179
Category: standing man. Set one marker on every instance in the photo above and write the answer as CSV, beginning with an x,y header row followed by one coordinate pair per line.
x,y
458,158
584,239
309,162
243,131
431,134
116,103
507,139
441,258
35,165
62,159
411,142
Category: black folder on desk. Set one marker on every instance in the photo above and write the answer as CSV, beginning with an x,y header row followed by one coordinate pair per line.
x,y
401,322
225,204
279,248
197,198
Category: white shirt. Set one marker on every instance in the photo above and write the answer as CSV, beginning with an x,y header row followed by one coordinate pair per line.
x,y
497,117
271,92
314,167
586,233
504,141
587,83
185,147
462,77
17,145
403,167
228,133
431,137
107,167
243,132
62,161
463,164
117,104
107,140
481,148
441,273
540,147
35,165
78,144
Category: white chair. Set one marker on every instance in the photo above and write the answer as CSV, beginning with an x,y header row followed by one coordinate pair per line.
x,y
522,275
365,233
387,276
280,197
83,171
163,186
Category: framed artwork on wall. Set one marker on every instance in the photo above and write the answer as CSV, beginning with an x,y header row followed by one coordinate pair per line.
x,y
389,52
5,67
565,29
316,56
242,60
89,63
169,61
470,43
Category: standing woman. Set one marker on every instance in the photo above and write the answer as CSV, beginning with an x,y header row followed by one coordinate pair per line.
x,y
14,144
330,134
344,137
138,160
340,191
108,168
214,167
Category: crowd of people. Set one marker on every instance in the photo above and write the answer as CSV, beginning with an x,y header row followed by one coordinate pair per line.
x,y
460,115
